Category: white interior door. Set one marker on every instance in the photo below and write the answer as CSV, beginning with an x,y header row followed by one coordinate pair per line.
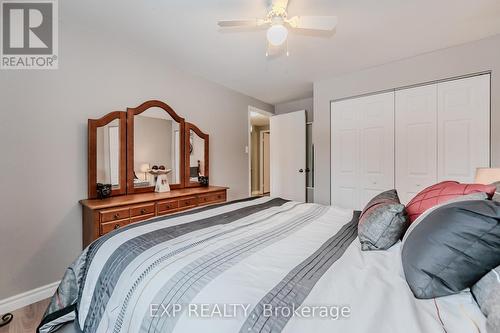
x,y
288,156
463,128
416,138
114,154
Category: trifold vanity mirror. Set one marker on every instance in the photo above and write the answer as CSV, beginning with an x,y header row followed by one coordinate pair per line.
x,y
131,150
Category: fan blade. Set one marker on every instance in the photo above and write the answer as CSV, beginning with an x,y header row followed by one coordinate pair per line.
x,y
327,23
279,4
241,23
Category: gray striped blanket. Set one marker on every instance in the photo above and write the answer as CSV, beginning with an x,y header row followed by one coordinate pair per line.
x,y
244,266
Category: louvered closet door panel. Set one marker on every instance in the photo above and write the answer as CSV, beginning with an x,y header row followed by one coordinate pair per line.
x,y
376,145
416,140
345,154
463,127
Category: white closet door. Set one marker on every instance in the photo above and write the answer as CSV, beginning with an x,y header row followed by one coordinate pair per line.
x,y
463,128
376,145
362,149
416,138
345,153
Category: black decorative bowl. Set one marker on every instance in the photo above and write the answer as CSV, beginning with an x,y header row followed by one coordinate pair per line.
x,y
103,190
203,180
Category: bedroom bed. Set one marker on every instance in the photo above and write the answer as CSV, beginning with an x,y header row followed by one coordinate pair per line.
x,y
254,265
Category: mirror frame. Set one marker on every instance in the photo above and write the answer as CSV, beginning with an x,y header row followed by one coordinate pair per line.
x,y
131,113
93,124
187,159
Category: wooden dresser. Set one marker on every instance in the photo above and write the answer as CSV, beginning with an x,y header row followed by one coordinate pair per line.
x,y
103,216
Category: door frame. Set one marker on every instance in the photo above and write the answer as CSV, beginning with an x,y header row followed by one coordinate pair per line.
x,y
261,161
249,142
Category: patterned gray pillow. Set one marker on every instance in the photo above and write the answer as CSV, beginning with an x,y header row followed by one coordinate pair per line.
x,y
487,294
382,222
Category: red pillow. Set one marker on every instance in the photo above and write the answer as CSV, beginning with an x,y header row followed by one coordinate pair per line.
x,y
442,192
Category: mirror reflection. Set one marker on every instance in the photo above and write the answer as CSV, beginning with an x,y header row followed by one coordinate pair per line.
x,y
196,156
108,154
156,148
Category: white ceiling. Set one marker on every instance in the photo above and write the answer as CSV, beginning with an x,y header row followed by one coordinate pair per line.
x,y
369,33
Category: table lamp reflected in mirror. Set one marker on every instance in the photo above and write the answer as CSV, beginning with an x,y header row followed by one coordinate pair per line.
x,y
144,169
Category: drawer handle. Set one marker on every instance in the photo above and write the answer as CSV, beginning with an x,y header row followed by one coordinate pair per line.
x,y
116,226
143,211
219,197
116,216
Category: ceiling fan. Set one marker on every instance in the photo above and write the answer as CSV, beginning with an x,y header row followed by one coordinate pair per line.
x,y
278,22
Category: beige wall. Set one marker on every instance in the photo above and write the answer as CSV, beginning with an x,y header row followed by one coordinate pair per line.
x,y
469,58
43,142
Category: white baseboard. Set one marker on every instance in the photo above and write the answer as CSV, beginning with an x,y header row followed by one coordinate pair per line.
x,y
31,296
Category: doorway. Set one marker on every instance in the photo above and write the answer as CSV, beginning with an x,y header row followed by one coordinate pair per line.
x,y
258,151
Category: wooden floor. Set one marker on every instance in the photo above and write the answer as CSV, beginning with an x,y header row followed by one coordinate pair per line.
x,y
26,319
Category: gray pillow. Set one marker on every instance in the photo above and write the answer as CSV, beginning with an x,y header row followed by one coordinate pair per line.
x,y
487,294
383,222
452,248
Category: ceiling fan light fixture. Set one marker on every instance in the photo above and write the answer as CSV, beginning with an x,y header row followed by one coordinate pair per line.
x,y
277,34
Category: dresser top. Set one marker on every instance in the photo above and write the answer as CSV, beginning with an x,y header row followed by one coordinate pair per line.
x,y
131,199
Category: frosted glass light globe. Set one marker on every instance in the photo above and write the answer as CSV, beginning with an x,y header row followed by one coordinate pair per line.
x,y
277,34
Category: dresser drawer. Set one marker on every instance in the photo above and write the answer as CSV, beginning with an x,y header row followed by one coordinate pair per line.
x,y
141,218
212,198
110,226
103,216
140,210
114,214
165,207
188,202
